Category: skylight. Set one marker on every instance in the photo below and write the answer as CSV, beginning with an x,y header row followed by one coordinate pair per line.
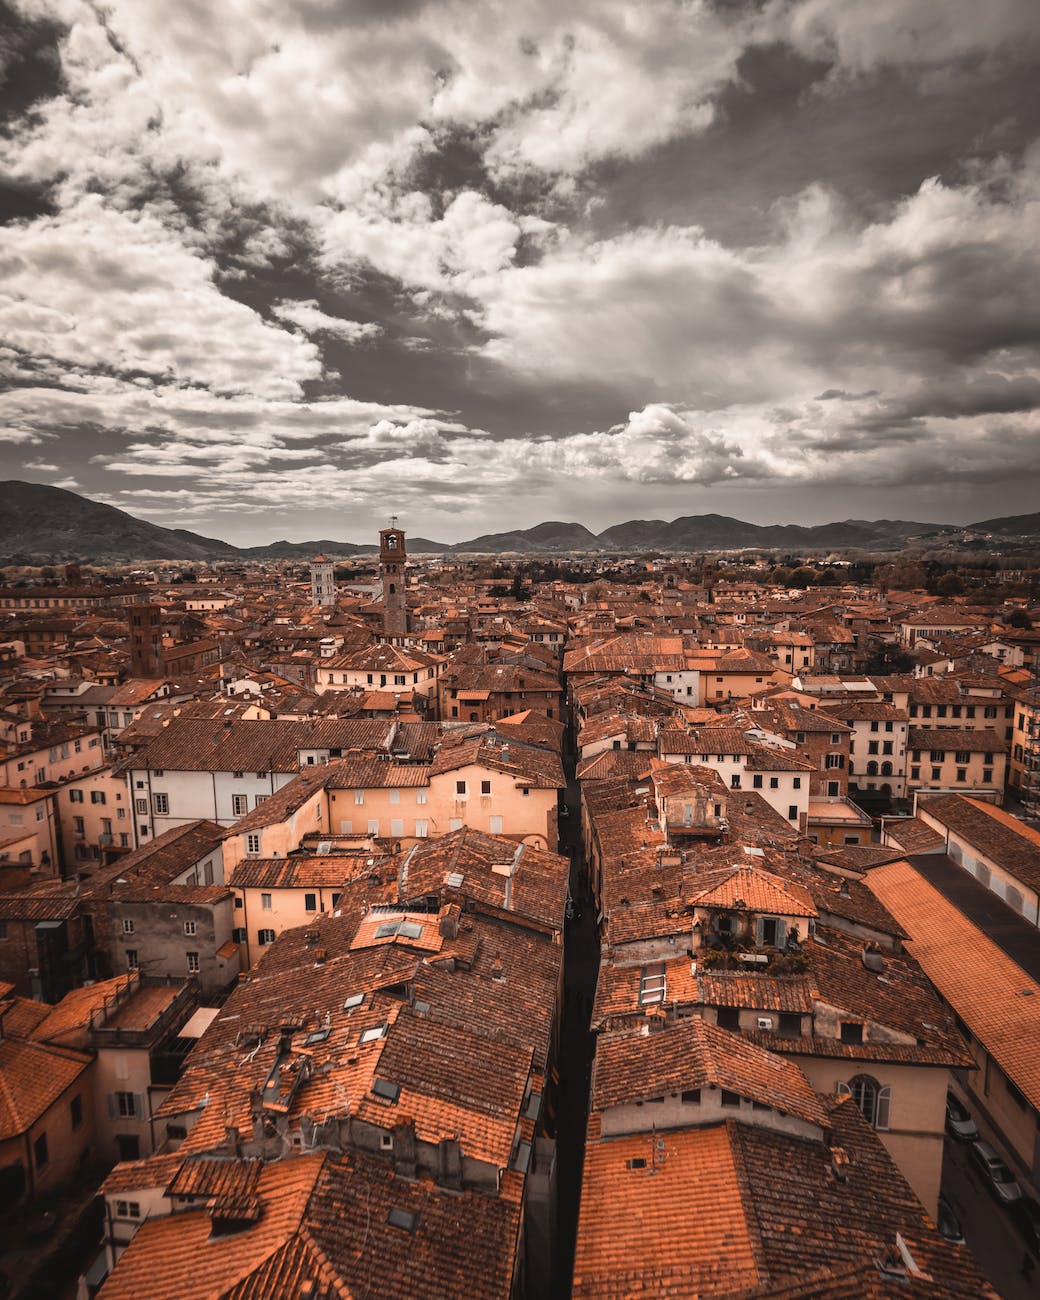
x,y
403,1219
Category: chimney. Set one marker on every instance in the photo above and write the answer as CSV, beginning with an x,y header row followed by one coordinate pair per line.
x,y
840,1164
497,973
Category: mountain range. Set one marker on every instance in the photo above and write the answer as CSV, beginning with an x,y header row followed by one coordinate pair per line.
x,y
48,525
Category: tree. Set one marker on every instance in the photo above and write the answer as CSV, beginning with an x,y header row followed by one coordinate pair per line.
x,y
950,584
1018,618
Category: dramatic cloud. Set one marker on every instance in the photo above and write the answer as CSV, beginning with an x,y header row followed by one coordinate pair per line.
x,y
494,263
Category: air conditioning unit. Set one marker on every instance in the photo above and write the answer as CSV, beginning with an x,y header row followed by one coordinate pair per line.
x,y
765,1022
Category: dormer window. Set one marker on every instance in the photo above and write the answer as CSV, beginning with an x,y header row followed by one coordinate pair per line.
x,y
652,985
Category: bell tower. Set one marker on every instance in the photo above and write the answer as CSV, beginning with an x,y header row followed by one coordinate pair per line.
x,y
391,570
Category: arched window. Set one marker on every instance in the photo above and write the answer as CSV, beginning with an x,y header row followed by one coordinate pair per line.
x,y
886,769
872,768
873,1100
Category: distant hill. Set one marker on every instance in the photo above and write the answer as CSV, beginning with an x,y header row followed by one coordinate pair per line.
x,y
543,537
1012,526
49,525
46,525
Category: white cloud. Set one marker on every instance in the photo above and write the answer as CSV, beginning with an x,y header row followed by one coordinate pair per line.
x,y
94,287
312,320
891,32
402,238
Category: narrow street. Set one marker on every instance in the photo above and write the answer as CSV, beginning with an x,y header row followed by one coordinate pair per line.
x,y
581,967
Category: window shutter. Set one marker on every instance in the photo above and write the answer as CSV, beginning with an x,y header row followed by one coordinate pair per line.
x,y
111,1099
884,1101
139,1110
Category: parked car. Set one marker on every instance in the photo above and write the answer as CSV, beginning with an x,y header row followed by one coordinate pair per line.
x,y
1026,1214
947,1222
999,1178
958,1121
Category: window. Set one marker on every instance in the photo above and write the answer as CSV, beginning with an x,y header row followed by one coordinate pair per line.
x,y
310,902
40,1154
915,774
756,782
774,783
120,814
98,796
652,985
79,825
797,783
987,775
264,937
253,845
730,1098
962,774
422,829
936,773
485,787
938,755
158,771
131,959
734,781
792,812
189,927
851,1031
790,1024
239,804
193,962
238,775
962,756
873,1101
141,807
161,804
128,1210
420,796
872,748
126,1105
495,825
76,1111
75,796
265,902
835,760
728,1017
460,787
373,826
128,926
691,1097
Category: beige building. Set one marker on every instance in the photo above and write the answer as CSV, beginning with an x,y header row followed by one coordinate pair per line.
x,y
95,819
944,758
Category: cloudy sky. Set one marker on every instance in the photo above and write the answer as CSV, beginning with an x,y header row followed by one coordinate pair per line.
x,y
277,268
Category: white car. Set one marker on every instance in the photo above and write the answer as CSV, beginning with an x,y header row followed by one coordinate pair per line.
x,y
998,1176
958,1121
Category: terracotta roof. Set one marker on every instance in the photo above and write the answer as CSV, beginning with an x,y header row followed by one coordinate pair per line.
x,y
633,1065
32,1078
654,1222
998,1002
169,1253
950,739
991,830
755,891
